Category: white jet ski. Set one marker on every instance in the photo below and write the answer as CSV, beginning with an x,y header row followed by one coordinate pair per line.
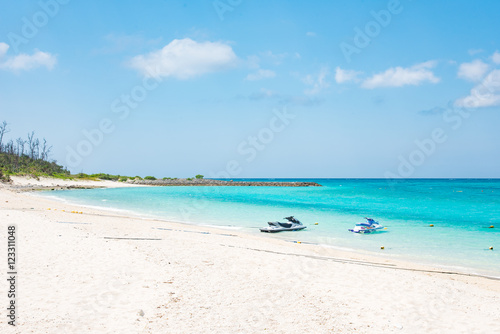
x,y
292,225
369,227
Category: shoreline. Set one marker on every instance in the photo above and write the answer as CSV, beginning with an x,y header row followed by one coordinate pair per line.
x,y
23,183
31,185
183,277
348,252
440,263
406,261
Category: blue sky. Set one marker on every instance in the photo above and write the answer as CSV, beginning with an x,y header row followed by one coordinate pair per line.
x,y
256,88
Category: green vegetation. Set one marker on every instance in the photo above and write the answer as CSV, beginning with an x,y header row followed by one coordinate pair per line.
x,y
103,176
13,164
27,157
83,176
152,178
199,176
3,178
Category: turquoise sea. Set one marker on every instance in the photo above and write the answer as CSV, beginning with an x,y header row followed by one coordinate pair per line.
x,y
461,210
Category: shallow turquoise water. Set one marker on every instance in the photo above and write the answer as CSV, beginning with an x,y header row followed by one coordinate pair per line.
x,y
461,211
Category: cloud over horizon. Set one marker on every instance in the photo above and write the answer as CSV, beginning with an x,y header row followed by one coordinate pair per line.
x,y
473,71
342,76
184,59
25,62
400,76
318,82
496,57
485,94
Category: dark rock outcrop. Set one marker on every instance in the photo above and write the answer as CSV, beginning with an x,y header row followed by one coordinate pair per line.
x,y
210,182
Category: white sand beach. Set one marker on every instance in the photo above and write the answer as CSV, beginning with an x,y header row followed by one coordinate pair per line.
x,y
102,272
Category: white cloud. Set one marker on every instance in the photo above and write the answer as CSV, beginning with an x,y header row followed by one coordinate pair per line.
x,y
311,34
342,76
318,82
25,62
261,74
399,76
184,59
496,57
486,94
3,49
473,71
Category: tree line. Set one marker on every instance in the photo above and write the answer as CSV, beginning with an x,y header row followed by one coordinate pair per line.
x,y
26,156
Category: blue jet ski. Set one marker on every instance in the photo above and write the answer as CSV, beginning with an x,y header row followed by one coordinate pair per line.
x,y
369,227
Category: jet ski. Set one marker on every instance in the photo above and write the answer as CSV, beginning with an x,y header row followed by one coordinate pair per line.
x,y
369,227
292,225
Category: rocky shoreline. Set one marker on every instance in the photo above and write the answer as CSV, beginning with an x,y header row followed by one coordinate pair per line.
x,y
25,184
28,188
218,183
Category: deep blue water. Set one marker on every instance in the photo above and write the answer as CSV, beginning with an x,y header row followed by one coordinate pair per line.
x,y
460,210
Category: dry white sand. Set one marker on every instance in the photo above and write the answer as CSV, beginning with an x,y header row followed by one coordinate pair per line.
x,y
52,182
99,272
